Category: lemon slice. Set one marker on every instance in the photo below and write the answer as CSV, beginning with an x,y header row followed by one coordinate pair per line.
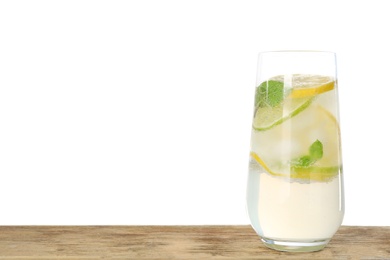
x,y
304,85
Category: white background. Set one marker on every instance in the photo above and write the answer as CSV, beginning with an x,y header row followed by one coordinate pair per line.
x,y
139,112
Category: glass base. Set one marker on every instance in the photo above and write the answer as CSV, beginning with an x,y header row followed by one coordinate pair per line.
x,y
295,246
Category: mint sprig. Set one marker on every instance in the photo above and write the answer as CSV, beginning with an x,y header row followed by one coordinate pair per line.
x,y
269,93
316,152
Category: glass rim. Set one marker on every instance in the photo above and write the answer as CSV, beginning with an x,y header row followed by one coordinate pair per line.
x,y
297,51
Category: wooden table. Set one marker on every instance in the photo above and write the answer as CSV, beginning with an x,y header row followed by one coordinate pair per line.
x,y
176,242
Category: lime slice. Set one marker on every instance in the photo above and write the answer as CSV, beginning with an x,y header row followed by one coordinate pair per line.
x,y
315,173
268,117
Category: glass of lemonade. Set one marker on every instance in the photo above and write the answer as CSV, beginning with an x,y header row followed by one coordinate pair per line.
x,y
295,198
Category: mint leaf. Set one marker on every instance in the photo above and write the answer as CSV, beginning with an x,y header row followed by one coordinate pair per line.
x,y
315,153
303,161
269,93
316,150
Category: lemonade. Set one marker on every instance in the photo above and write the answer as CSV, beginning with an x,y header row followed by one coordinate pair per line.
x,y
295,171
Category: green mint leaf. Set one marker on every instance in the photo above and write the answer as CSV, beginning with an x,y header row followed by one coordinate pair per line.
x,y
303,161
315,154
269,93
316,150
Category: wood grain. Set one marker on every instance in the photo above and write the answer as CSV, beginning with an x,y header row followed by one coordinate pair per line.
x,y
176,242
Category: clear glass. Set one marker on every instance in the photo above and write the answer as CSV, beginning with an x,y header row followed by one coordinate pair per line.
x,y
295,198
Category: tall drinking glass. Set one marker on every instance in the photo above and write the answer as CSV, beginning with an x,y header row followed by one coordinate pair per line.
x,y
295,198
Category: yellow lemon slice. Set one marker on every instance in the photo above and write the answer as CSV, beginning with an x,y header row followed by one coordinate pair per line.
x,y
303,85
